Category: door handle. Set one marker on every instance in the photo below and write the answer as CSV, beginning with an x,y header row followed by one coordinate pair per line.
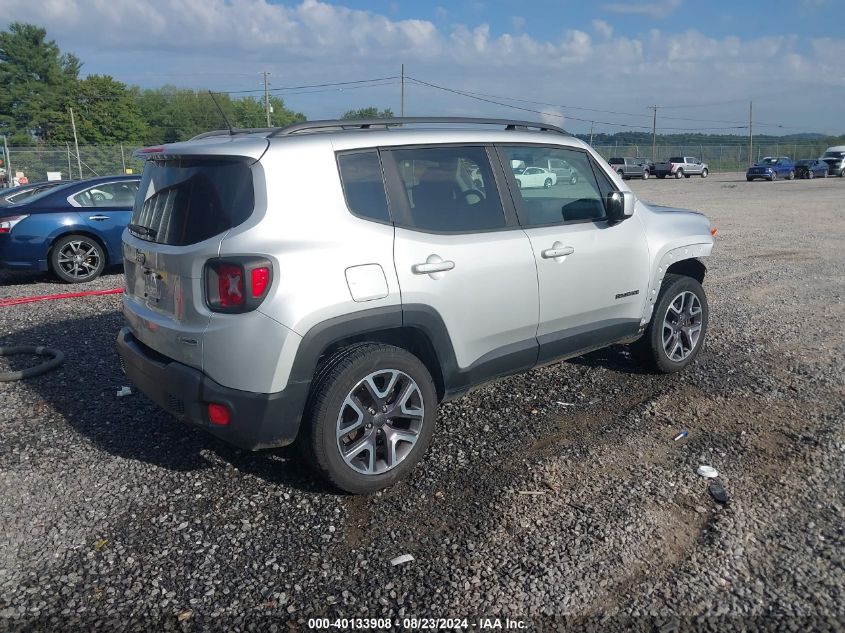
x,y
98,218
557,250
432,267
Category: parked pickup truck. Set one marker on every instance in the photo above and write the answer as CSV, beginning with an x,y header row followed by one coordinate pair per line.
x,y
630,167
681,166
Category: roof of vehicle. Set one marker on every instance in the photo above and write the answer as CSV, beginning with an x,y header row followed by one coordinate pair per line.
x,y
836,148
54,194
350,134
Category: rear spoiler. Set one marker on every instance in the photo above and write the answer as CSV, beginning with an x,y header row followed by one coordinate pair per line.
x,y
146,153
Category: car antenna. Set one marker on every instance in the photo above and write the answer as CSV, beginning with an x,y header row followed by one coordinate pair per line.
x,y
223,114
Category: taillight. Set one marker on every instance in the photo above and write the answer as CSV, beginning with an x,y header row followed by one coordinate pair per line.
x,y
237,284
9,222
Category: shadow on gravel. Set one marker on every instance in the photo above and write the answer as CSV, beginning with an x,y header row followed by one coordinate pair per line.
x,y
615,358
83,392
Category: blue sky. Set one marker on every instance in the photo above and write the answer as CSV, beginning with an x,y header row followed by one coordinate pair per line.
x,y
577,64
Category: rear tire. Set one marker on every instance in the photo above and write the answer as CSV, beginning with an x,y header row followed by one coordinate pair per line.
x,y
645,174
679,174
749,179
360,389
548,183
811,174
791,176
77,259
653,349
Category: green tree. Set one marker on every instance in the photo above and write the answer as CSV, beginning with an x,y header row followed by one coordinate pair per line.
x,y
37,83
368,113
107,112
250,112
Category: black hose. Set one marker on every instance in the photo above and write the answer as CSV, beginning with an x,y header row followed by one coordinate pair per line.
x,y
56,358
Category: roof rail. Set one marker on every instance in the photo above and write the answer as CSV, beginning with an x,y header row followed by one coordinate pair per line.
x,y
237,130
365,124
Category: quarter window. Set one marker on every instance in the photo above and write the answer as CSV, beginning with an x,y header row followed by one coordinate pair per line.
x,y
551,193
110,194
363,185
449,189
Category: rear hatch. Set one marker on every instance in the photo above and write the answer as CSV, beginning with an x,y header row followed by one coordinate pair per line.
x,y
187,202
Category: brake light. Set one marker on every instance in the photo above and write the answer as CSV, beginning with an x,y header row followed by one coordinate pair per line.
x,y
219,414
9,222
260,281
238,283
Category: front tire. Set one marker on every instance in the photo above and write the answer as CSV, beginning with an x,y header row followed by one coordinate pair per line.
x,y
774,177
77,259
704,173
811,174
675,335
370,417
548,183
791,176
573,179
645,175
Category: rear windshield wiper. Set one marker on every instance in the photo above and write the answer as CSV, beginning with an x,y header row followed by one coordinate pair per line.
x,y
142,230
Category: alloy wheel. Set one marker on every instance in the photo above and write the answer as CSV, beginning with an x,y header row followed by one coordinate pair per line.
x,y
79,259
380,421
682,326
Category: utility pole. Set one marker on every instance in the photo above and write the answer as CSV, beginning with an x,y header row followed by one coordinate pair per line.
x,y
76,143
402,98
10,175
69,168
266,99
654,134
750,133
123,158
591,132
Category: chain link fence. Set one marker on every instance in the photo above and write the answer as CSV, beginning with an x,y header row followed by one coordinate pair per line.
x,y
94,160
107,160
724,157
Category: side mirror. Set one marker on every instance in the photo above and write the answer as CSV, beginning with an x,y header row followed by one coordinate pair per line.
x,y
619,205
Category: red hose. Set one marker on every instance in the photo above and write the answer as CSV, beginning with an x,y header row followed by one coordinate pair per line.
x,y
13,301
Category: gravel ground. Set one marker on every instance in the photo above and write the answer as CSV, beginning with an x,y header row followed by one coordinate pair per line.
x,y
557,499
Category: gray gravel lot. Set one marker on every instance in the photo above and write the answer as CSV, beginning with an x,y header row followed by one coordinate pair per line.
x,y
575,515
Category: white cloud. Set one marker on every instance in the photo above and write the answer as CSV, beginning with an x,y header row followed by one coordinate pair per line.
x,y
657,9
223,44
602,28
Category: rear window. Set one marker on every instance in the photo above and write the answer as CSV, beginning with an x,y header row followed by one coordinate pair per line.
x,y
677,159
187,201
617,161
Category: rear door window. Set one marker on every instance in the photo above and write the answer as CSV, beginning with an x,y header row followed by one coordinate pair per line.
x,y
108,194
186,201
447,189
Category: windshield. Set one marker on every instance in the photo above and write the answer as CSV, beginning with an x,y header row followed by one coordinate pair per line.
x,y
768,161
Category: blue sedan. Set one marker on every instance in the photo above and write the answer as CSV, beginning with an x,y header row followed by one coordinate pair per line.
x,y
772,168
73,230
811,168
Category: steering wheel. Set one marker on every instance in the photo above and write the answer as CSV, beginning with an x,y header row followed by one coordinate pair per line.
x,y
97,196
473,192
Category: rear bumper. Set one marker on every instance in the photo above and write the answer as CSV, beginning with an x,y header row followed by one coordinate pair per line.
x,y
258,420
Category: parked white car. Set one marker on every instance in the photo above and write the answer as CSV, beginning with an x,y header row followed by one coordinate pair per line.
x,y
535,177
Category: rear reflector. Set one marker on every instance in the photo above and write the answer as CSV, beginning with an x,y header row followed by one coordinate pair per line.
x,y
219,414
713,231
260,280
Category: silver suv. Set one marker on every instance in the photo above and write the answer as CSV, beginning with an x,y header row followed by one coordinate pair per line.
x,y
331,282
